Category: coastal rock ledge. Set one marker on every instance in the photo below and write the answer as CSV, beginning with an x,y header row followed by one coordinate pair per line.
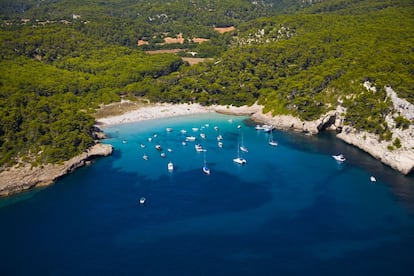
x,y
24,177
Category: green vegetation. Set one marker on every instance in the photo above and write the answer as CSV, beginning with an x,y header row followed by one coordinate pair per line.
x,y
57,68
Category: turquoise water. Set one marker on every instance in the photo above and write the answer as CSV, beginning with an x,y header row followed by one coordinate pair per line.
x,y
291,210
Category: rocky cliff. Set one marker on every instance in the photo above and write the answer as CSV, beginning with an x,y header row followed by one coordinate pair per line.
x,y
400,157
24,177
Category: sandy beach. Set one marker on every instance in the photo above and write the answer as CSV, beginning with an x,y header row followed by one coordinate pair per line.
x,y
164,110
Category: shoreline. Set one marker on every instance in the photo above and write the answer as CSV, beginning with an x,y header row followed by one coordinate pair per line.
x,y
24,177
165,110
400,160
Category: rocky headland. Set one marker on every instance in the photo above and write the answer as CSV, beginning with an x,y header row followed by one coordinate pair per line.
x,y
399,158
24,176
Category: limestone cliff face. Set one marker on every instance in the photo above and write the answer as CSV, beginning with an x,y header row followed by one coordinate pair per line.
x,y
331,120
401,159
24,177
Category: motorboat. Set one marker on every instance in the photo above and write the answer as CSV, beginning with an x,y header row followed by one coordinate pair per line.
x,y
142,200
268,128
339,157
199,148
170,166
219,138
372,178
220,144
263,127
203,135
169,129
183,131
163,155
158,147
206,170
195,129
190,138
145,157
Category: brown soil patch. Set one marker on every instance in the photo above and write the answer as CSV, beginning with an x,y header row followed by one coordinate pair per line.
x,y
199,40
225,30
170,51
193,61
118,108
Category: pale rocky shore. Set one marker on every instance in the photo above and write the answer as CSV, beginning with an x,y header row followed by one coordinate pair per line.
x,y
24,177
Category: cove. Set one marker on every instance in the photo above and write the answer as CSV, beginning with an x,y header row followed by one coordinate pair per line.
x,y
291,210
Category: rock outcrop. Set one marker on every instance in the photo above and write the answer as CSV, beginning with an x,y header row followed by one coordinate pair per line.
x,y
401,106
400,159
24,177
331,120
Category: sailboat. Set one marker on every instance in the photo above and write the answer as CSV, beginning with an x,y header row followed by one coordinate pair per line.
x,y
339,158
243,147
206,169
239,160
271,142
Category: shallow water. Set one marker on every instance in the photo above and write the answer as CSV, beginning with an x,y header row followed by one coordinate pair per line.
x,y
291,210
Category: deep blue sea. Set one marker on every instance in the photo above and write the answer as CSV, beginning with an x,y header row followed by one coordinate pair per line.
x,y
291,210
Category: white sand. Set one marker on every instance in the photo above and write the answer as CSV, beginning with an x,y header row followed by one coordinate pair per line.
x,y
169,110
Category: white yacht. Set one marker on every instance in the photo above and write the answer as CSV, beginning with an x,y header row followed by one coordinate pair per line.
x,y
170,166
142,200
199,148
340,157
190,138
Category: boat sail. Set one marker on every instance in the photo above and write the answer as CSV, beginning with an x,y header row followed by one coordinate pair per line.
x,y
239,160
206,169
243,147
271,141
